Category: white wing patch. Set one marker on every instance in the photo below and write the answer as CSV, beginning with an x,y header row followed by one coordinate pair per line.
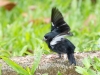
x,y
56,39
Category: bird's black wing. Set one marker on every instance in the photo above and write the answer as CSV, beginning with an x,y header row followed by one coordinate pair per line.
x,y
58,25
57,21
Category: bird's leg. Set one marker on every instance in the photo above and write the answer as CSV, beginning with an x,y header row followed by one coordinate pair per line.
x,y
59,54
65,56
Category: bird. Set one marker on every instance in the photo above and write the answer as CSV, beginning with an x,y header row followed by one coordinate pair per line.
x,y
56,40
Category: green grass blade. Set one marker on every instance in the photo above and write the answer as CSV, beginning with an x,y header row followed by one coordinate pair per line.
x,y
23,50
19,69
37,54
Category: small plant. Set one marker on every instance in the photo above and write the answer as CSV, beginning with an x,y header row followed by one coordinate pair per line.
x,y
91,67
59,73
19,69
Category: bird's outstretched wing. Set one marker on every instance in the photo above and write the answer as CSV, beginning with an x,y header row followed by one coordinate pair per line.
x,y
57,21
58,25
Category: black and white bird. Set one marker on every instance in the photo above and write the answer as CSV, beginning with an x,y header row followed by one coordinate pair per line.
x,y
56,40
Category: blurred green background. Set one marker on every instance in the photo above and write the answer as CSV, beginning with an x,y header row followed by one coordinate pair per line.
x,y
22,28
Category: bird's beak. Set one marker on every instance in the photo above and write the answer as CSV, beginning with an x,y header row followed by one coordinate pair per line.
x,y
44,39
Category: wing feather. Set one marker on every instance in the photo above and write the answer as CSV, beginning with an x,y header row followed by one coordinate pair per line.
x,y
58,22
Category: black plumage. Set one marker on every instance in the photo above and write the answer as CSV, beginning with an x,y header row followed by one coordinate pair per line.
x,y
56,40
58,21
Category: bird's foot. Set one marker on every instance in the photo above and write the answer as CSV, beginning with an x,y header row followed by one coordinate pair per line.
x,y
58,57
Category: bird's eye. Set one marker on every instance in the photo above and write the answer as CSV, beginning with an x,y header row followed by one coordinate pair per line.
x,y
45,37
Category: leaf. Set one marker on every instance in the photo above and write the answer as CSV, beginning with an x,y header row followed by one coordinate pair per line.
x,y
91,72
15,66
96,64
37,54
28,70
80,69
7,4
96,59
59,73
5,53
23,50
86,62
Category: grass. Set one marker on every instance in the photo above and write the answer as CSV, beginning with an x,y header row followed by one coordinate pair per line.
x,y
91,66
18,34
22,29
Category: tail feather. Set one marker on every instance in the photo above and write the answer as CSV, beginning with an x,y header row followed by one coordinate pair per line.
x,y
71,58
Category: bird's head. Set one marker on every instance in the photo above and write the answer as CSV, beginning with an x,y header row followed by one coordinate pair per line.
x,y
49,36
